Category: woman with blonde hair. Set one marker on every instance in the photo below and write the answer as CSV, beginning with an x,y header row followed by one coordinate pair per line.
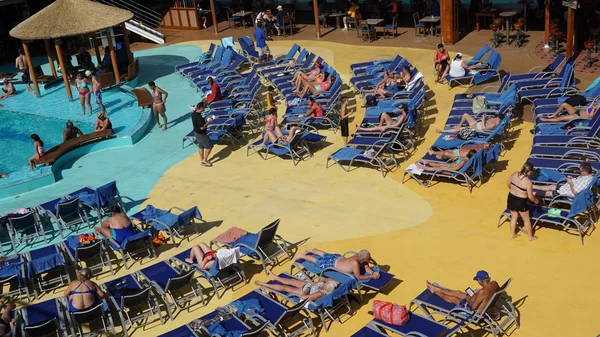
x,y
83,293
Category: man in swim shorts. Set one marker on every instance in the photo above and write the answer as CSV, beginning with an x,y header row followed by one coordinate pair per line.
x,y
352,265
96,91
478,301
21,64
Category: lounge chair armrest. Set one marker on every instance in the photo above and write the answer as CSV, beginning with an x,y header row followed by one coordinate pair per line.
x,y
536,67
542,75
566,93
489,87
551,82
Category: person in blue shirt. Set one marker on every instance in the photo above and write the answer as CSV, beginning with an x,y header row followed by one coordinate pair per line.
x,y
261,45
281,13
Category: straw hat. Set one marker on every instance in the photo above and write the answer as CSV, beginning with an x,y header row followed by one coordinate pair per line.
x,y
68,18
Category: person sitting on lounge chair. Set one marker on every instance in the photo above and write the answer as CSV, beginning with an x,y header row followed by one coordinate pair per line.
x,y
318,87
388,120
315,110
8,89
460,152
572,113
351,265
117,227
83,293
485,124
388,86
478,301
203,255
571,188
455,163
71,132
310,76
303,289
6,323
457,68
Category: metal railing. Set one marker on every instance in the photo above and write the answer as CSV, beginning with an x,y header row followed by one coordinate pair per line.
x,y
141,14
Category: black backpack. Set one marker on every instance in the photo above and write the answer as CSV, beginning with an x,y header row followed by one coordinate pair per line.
x,y
371,100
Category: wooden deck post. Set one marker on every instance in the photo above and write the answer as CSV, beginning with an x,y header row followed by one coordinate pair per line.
x,y
214,16
36,88
126,40
94,39
50,59
449,34
570,31
113,57
61,63
317,21
546,22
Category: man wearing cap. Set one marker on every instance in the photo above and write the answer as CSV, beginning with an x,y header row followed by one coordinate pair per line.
x,y
96,91
479,298
281,13
8,89
21,64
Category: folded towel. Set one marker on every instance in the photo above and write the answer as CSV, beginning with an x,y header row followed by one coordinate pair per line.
x,y
414,169
227,257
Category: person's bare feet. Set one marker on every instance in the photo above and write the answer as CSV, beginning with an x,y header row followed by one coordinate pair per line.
x,y
431,287
439,130
164,127
188,260
533,238
513,236
259,283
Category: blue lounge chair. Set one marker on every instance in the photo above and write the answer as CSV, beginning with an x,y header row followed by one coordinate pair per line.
x,y
13,278
247,49
296,149
24,228
204,58
97,315
213,67
326,306
43,319
567,72
131,299
134,247
592,91
70,213
478,76
582,136
265,246
363,65
94,254
214,61
278,61
43,260
377,67
303,60
368,331
182,331
546,72
233,326
478,57
508,97
565,153
565,87
219,278
417,326
560,164
101,199
497,317
166,280
380,158
175,224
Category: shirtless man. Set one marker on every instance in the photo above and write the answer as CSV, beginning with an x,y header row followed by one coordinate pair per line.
x,y
460,152
352,264
480,298
97,92
103,123
71,131
21,64
479,126
8,89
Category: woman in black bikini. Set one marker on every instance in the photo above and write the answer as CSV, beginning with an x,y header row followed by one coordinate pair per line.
x,y
5,321
520,191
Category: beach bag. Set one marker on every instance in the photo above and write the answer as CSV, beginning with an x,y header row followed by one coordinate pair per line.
x,y
371,100
466,133
479,104
390,313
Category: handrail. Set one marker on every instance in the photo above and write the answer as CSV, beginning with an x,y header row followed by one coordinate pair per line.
x,y
144,9
140,13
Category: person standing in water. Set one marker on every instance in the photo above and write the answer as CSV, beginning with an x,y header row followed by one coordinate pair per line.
x,y
96,91
158,104
21,64
82,84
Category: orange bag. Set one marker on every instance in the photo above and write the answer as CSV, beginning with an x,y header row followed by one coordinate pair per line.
x,y
390,313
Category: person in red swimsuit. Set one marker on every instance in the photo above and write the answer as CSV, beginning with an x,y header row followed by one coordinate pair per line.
x,y
215,92
202,255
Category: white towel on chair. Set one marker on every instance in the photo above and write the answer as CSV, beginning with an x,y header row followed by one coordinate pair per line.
x,y
227,257
414,169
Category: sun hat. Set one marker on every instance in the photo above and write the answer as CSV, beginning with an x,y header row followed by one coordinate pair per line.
x,y
481,275
88,73
279,7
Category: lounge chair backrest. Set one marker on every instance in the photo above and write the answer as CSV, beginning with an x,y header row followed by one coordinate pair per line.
x,y
301,56
106,193
44,329
556,63
22,222
290,313
68,208
256,331
481,53
267,234
296,139
88,252
227,57
178,282
504,83
594,127
568,77
395,63
89,315
218,54
186,217
295,48
136,299
492,302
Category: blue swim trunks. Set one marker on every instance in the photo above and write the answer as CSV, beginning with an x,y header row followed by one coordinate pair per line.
x,y
327,260
464,304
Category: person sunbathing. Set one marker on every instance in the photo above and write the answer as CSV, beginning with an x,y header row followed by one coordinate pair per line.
x,y
6,322
571,188
202,255
572,112
388,120
317,88
117,227
315,110
485,124
83,293
460,152
455,163
388,86
303,289
477,302
277,137
351,265
310,76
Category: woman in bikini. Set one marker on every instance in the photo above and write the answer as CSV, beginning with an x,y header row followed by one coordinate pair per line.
x,y
6,323
572,112
83,84
83,293
38,148
454,164
387,120
202,255
277,137
303,289
388,86
461,152
485,124
317,88
310,76
520,192
158,104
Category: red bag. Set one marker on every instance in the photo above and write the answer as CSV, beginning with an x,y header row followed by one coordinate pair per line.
x,y
390,313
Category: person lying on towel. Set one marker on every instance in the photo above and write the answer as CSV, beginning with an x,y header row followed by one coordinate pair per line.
x,y
303,289
352,265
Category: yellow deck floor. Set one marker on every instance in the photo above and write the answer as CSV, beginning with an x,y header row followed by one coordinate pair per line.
x,y
441,233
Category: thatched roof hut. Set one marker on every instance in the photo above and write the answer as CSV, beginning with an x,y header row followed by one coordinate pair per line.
x,y
69,18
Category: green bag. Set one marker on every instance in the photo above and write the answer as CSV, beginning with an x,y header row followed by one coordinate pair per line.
x,y
479,104
554,212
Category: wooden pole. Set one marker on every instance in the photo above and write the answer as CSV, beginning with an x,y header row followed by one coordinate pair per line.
x,y
61,63
570,31
214,16
96,49
317,21
113,57
547,22
126,40
50,60
449,34
36,88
